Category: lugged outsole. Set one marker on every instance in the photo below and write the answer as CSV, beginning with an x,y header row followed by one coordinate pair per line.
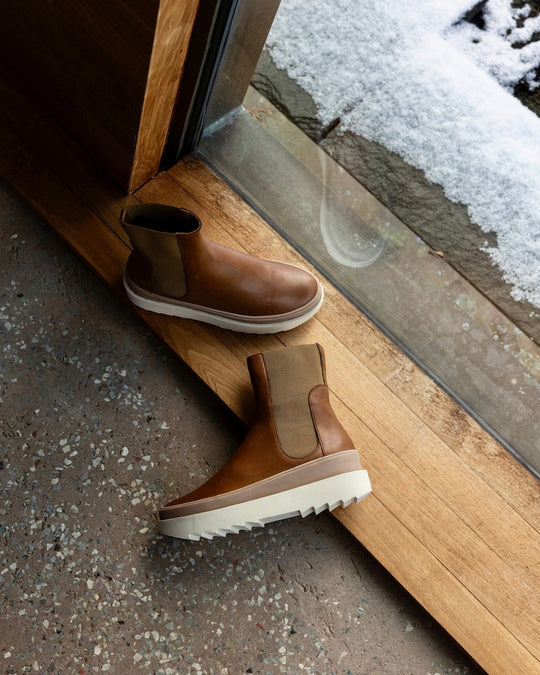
x,y
246,326
329,493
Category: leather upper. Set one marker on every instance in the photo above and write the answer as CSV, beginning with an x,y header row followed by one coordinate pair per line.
x,y
180,263
260,456
229,280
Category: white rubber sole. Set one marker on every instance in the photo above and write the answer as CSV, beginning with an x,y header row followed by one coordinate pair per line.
x,y
238,325
329,493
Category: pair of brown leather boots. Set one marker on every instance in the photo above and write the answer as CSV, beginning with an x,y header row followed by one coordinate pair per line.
x,y
296,458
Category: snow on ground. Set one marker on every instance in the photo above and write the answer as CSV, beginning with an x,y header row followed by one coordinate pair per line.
x,y
493,47
401,74
502,48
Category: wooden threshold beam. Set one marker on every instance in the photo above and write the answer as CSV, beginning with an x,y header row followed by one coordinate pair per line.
x,y
452,516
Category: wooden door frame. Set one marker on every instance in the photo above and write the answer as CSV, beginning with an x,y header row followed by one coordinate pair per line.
x,y
186,55
174,28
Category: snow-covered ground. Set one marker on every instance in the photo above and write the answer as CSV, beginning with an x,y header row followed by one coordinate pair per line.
x,y
436,92
502,47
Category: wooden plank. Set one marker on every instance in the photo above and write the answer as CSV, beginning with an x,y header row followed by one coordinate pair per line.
x,y
453,477
462,434
457,481
173,31
474,564
476,630
441,562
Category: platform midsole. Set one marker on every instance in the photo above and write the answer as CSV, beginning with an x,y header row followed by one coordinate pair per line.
x,y
325,493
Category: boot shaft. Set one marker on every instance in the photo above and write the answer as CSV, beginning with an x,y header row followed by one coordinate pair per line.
x,y
292,396
154,231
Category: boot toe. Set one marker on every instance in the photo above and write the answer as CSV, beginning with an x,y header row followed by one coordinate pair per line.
x,y
293,290
304,288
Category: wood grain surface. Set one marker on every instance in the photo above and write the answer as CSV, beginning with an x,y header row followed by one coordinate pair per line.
x,y
87,64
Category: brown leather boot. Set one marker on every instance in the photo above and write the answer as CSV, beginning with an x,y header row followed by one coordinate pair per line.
x,y
175,270
296,459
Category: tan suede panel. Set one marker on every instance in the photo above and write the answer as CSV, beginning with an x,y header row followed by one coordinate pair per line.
x,y
292,374
161,248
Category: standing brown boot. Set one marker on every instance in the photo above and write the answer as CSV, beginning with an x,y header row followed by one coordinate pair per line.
x,y
295,460
174,269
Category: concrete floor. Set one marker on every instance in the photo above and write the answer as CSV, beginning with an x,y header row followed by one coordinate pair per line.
x,y
98,425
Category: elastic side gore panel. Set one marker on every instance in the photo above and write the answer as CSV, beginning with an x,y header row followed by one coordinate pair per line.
x,y
164,254
292,373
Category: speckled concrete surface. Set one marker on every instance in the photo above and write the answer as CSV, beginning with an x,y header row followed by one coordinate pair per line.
x,y
98,425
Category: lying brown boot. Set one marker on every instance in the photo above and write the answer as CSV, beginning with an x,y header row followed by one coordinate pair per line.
x,y
296,459
175,270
